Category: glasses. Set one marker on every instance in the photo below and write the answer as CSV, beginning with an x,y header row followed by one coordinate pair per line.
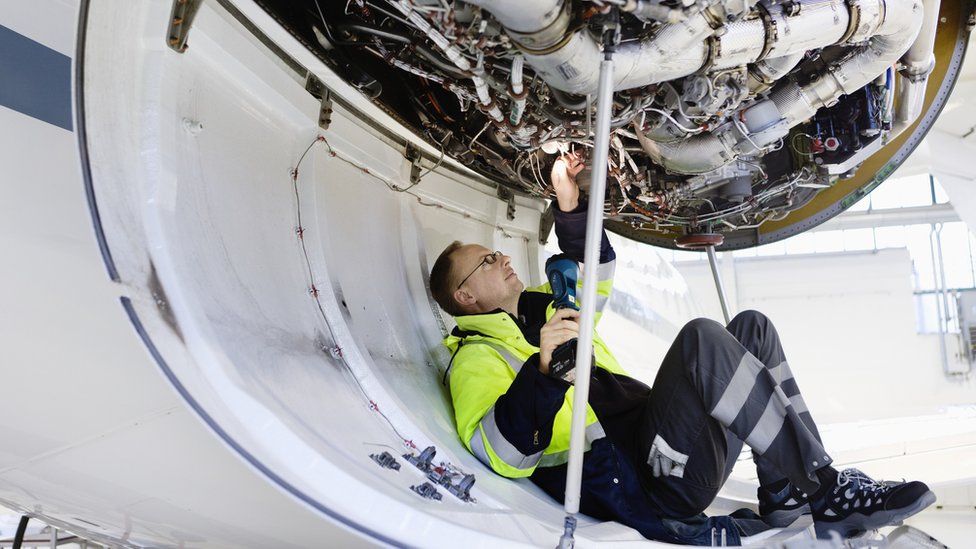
x,y
487,260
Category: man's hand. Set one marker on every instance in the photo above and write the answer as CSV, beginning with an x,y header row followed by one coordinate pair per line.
x,y
563,326
563,177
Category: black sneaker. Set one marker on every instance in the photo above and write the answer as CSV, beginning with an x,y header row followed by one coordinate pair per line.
x,y
781,509
857,503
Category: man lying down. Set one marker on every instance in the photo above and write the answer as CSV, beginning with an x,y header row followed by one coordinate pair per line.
x,y
655,456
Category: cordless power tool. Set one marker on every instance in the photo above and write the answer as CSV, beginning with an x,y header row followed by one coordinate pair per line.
x,y
563,273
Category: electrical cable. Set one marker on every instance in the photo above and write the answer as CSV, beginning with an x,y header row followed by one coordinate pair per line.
x,y
311,276
675,122
315,294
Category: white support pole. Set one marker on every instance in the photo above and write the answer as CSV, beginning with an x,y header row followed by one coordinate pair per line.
x,y
591,260
713,263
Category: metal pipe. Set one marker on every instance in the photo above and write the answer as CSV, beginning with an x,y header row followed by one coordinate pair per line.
x,y
943,349
567,59
713,263
917,64
941,305
396,37
454,54
944,292
792,102
591,260
763,74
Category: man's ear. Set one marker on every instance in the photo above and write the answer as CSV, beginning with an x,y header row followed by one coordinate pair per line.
x,y
464,298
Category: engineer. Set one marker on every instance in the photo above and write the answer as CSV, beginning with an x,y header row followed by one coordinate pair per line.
x,y
656,456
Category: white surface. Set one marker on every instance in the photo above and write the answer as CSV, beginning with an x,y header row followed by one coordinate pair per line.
x,y
850,335
94,433
211,216
875,386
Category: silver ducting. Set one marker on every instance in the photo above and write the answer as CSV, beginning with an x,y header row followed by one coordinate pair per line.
x,y
894,36
535,25
795,103
716,100
677,49
817,23
765,73
917,64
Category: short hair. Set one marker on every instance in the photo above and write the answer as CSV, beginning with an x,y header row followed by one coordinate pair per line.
x,y
440,280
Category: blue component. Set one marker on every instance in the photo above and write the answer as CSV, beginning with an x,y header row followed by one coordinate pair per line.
x,y
36,79
563,273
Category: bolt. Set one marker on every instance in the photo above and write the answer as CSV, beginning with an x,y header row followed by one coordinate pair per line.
x,y
193,127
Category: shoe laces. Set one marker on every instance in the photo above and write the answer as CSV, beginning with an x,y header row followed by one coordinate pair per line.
x,y
860,480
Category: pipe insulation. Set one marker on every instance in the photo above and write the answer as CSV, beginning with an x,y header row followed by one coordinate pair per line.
x,y
763,74
570,61
790,103
517,92
892,38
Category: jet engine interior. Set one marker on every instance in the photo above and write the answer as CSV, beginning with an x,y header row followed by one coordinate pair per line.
x,y
727,114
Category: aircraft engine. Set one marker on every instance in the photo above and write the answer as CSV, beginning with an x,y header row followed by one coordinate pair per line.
x,y
730,116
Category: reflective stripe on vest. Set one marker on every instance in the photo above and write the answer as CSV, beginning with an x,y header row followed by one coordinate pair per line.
x,y
594,432
504,449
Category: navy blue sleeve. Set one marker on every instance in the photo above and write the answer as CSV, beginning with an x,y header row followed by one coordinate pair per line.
x,y
526,412
571,234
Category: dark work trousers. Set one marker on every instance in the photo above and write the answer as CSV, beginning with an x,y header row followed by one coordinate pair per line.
x,y
717,388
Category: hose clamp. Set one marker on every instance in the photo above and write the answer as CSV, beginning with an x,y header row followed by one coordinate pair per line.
x,y
547,38
513,95
866,16
771,28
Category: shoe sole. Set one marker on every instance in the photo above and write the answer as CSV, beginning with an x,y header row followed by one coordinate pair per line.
x,y
781,518
857,523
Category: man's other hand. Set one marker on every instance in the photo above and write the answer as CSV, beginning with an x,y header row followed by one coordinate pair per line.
x,y
563,176
563,326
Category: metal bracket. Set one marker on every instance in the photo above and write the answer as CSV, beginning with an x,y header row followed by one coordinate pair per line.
x,y
427,490
462,490
423,461
180,21
509,197
319,91
413,155
386,460
546,221
439,476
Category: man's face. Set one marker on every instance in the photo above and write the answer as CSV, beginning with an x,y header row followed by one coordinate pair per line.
x,y
489,286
